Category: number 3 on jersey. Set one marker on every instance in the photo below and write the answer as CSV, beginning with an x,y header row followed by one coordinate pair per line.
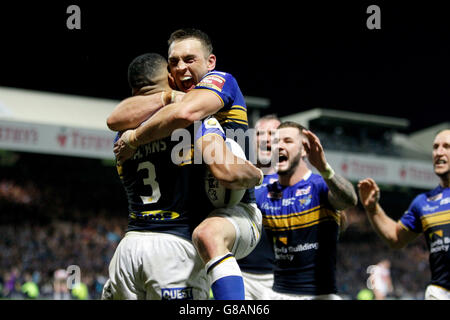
x,y
151,181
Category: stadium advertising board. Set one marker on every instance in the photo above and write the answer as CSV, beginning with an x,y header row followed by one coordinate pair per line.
x,y
51,139
387,170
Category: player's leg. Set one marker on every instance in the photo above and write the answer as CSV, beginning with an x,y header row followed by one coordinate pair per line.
x,y
226,235
436,293
256,284
214,239
120,285
171,269
155,266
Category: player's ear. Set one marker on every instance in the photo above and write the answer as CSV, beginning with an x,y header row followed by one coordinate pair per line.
x,y
211,62
171,81
304,146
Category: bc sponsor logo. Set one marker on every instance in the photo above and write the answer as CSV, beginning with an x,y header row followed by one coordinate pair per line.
x,y
177,293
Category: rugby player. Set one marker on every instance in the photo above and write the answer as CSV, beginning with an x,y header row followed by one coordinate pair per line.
x,y
226,234
429,213
301,213
257,267
156,259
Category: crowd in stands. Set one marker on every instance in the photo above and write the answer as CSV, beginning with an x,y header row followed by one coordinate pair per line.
x,y
73,213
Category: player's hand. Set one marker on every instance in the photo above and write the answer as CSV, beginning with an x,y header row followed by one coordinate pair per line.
x,y
123,148
369,193
314,150
171,96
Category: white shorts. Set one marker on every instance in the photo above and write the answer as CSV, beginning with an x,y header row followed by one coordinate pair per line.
x,y
256,285
247,221
273,295
434,292
154,266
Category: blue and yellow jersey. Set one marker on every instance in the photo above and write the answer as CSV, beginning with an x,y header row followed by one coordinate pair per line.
x,y
163,188
430,213
233,115
304,230
261,259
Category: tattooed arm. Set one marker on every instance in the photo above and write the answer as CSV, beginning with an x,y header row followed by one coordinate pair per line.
x,y
341,193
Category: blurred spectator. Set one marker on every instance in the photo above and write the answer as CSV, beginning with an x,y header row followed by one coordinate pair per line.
x,y
30,289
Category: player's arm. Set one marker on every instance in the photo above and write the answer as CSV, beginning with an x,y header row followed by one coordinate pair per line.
x,y
196,105
231,171
390,231
131,112
341,194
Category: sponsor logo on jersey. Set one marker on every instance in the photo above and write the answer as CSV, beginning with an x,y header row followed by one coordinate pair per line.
x,y
283,240
435,198
154,215
275,195
440,244
427,207
439,233
211,123
288,201
267,206
177,293
212,81
304,191
445,201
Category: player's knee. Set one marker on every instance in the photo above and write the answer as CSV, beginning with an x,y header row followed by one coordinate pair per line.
x,y
205,234
208,239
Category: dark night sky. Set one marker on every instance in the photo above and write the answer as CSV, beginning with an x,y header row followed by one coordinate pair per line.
x,y
299,56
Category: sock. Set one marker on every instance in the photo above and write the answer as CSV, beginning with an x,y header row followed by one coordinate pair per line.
x,y
225,277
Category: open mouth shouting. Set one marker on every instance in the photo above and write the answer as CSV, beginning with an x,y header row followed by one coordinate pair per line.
x,y
282,160
187,83
440,163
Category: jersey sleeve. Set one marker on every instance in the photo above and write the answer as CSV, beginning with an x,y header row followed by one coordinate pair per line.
x,y
322,190
411,218
210,125
220,83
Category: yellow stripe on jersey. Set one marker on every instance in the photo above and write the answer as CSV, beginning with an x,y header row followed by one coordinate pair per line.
x,y
435,219
239,107
119,170
214,93
300,220
236,114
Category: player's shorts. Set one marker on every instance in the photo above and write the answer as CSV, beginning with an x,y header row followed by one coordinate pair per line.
x,y
273,295
247,221
154,266
434,292
257,284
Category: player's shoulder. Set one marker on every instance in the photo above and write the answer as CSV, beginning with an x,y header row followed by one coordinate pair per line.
x,y
435,194
314,179
218,76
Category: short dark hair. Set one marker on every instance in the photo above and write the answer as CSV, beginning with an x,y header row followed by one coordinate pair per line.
x,y
268,117
292,124
187,33
144,68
